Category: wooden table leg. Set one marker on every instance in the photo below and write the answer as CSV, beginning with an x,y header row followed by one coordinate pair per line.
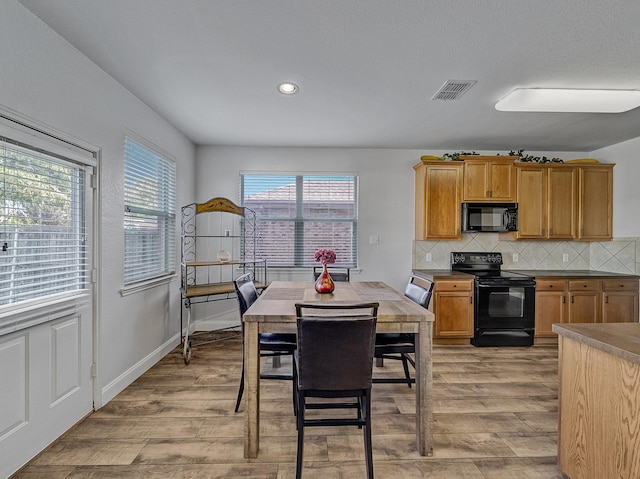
x,y
424,383
251,390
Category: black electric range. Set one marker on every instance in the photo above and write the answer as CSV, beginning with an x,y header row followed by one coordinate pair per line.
x,y
504,309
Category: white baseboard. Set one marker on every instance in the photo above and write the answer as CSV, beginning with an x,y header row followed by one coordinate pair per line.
x,y
116,386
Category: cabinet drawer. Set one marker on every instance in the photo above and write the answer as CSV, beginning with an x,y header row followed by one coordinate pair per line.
x,y
453,285
550,285
620,284
584,285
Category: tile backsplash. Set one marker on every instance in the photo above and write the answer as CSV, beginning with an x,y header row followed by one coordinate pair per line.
x,y
619,256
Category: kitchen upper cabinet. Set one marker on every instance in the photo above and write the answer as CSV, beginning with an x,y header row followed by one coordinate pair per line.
x,y
532,199
562,201
438,199
595,209
551,306
489,178
547,201
453,309
562,193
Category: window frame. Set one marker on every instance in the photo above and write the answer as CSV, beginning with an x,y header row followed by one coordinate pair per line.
x,y
302,260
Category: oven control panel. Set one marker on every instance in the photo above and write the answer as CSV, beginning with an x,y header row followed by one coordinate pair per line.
x,y
465,258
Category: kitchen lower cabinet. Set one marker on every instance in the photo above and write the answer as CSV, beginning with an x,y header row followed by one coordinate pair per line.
x,y
619,301
551,306
584,301
453,309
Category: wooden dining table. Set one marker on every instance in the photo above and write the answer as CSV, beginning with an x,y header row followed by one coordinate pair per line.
x,y
274,312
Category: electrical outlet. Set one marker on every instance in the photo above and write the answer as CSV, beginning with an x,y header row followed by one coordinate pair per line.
x,y
515,257
565,257
428,257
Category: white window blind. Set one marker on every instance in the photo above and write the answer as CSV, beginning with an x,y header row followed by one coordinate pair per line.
x,y
300,214
42,226
149,221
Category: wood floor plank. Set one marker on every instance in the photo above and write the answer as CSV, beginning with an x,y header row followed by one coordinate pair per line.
x,y
495,417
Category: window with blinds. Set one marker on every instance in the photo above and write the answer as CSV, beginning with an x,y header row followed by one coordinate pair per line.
x,y
299,214
42,225
149,218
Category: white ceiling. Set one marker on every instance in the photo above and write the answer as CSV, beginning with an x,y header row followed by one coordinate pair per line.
x,y
367,69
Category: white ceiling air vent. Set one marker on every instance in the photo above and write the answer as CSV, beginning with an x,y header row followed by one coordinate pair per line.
x,y
453,89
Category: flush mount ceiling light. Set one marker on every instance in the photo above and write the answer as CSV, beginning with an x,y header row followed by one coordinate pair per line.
x,y
570,100
288,88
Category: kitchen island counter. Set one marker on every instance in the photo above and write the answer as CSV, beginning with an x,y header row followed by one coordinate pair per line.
x,y
598,400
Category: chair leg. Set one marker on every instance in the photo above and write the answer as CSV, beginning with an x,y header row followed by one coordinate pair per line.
x,y
368,448
405,365
240,390
300,426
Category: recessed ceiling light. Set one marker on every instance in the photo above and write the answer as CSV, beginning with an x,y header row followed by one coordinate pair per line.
x,y
570,100
288,88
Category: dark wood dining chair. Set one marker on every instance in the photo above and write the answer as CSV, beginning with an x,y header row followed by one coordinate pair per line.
x,y
337,273
334,359
271,344
399,346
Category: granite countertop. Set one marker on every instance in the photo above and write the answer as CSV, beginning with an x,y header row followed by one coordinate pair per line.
x,y
618,339
441,273
563,273
536,273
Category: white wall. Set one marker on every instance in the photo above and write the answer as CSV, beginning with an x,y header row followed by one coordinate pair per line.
x,y
45,78
386,194
626,189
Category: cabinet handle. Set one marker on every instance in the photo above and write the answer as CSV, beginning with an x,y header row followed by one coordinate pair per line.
x,y
470,300
606,300
564,299
571,299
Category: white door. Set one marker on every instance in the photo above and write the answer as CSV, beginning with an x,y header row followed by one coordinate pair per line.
x,y
46,291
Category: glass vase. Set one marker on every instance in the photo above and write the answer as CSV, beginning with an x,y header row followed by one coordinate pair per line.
x,y
324,283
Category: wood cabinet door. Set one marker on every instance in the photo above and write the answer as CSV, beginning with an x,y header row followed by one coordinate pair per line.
x,y
489,178
562,202
502,181
584,307
454,314
551,307
443,193
595,208
476,181
532,194
620,306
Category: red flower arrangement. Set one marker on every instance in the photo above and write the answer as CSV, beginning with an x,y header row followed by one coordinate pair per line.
x,y
325,256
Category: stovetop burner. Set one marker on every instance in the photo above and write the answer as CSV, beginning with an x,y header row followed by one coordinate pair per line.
x,y
485,266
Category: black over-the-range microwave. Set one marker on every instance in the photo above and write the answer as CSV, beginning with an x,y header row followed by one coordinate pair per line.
x,y
489,217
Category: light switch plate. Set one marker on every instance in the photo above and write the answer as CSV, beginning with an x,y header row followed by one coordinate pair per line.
x,y
565,257
515,257
428,257
373,239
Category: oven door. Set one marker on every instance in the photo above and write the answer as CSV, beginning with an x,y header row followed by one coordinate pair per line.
x,y
504,314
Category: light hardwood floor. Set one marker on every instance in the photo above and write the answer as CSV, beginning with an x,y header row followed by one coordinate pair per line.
x,y
495,417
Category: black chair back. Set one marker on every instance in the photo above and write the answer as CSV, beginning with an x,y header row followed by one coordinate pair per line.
x,y
335,351
246,292
337,273
419,290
